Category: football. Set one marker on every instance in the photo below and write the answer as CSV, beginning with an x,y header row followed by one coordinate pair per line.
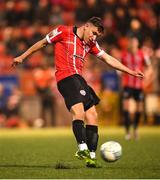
x,y
111,151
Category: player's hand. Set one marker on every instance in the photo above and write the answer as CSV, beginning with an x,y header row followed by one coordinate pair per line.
x,y
16,61
138,74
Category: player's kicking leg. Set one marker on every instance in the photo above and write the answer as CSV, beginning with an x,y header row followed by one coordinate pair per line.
x,y
79,130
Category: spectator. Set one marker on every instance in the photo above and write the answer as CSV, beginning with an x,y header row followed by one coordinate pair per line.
x,y
43,77
42,11
2,106
136,30
12,108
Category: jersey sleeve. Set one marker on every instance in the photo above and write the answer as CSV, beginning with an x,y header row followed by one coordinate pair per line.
x,y
55,35
96,50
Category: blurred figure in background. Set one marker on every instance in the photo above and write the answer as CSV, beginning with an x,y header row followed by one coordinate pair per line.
x,y
134,58
12,108
2,106
43,78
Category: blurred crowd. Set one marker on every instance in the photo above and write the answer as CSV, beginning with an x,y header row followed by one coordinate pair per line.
x,y
23,22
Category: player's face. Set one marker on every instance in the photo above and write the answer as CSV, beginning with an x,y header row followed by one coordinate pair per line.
x,y
91,33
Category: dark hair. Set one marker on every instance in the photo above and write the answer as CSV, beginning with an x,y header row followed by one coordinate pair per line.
x,y
96,21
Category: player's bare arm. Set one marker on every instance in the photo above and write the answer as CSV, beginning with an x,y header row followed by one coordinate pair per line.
x,y
111,61
40,44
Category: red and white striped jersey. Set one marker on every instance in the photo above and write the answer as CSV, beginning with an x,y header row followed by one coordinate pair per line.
x,y
70,51
135,62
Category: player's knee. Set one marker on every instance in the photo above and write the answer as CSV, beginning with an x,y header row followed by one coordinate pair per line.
x,y
78,114
92,117
92,122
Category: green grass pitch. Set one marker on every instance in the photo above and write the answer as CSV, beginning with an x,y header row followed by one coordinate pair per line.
x,y
49,153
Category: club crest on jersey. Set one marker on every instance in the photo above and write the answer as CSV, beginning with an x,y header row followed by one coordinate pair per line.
x,y
54,33
83,92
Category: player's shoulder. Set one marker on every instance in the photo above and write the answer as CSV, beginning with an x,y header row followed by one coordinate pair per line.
x,y
64,28
93,43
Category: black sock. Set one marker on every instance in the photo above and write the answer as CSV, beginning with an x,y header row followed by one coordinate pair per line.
x,y
136,119
127,121
79,131
92,137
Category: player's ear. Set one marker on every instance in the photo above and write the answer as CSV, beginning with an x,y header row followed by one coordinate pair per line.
x,y
86,25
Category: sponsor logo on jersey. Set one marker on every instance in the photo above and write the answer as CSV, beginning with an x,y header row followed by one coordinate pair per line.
x,y
54,33
78,56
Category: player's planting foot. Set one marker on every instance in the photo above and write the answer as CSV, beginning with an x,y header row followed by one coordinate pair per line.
x,y
82,154
128,137
92,163
135,135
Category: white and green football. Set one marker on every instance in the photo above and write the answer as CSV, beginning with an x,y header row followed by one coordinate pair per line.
x,y
111,151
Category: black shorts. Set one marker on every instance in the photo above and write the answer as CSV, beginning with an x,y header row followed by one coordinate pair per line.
x,y
136,94
75,89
